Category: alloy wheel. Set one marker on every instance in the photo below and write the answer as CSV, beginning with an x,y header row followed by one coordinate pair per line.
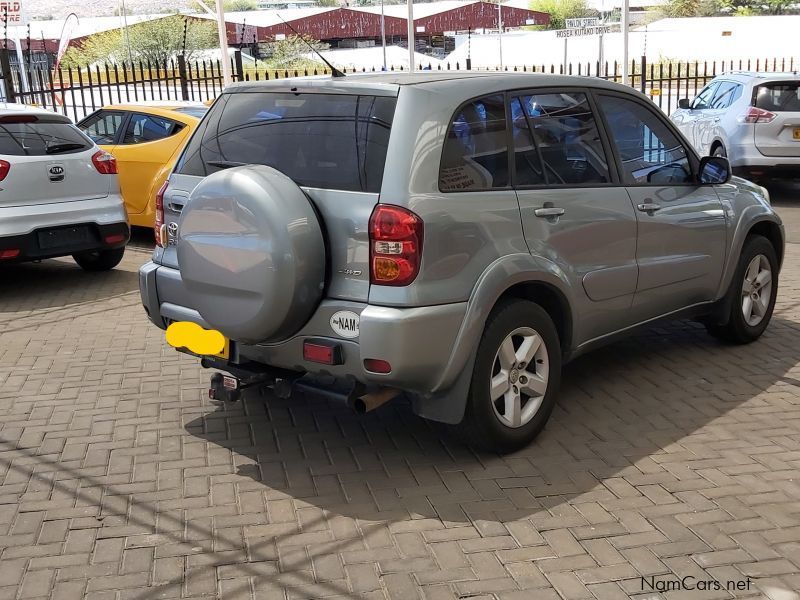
x,y
756,290
520,372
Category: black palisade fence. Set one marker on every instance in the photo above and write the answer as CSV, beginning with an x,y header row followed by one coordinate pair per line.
x,y
77,92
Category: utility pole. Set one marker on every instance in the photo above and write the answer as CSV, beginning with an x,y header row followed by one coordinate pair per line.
x,y
410,35
124,16
500,30
625,24
223,44
383,37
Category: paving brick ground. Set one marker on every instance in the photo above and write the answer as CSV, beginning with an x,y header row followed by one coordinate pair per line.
x,y
669,456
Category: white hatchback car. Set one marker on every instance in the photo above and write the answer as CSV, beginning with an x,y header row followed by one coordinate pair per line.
x,y
752,118
59,194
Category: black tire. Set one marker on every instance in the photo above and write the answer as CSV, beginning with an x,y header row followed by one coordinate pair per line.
x,y
99,260
482,425
720,151
736,329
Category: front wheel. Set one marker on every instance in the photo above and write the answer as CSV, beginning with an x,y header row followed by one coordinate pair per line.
x,y
515,379
99,260
752,293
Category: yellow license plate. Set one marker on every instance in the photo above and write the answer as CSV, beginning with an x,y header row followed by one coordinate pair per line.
x,y
797,133
226,350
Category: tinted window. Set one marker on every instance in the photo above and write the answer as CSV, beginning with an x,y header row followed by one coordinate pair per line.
x,y
779,97
331,141
650,153
103,126
560,130
704,98
40,137
727,93
149,128
475,154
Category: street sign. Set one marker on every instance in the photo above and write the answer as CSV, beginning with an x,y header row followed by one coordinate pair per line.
x,y
591,30
582,23
14,8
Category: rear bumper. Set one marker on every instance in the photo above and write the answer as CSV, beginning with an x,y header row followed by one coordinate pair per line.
x,y
20,226
755,172
417,342
749,163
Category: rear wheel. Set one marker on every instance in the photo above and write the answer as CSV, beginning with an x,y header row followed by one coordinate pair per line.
x,y
99,260
515,379
752,293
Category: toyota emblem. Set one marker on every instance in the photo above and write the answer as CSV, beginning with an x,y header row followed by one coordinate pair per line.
x,y
172,231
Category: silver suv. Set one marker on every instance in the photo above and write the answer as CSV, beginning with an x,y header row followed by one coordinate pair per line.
x,y
453,237
751,118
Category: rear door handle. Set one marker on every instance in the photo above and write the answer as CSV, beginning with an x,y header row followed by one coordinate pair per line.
x,y
549,211
649,207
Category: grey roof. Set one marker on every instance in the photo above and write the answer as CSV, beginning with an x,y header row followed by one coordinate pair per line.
x,y
390,81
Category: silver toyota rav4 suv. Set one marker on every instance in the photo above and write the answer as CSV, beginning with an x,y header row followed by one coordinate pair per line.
x,y
456,238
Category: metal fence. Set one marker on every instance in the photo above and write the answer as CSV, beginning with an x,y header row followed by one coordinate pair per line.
x,y
77,92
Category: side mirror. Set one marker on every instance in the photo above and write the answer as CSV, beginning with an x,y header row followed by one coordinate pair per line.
x,y
684,103
714,170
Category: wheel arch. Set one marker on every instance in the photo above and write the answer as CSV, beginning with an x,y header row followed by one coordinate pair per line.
x,y
513,276
771,231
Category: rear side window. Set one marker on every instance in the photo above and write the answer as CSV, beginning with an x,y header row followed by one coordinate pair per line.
x,y
22,136
781,96
475,153
330,141
149,128
558,131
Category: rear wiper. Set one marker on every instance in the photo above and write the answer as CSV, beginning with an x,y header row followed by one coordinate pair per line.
x,y
57,148
225,164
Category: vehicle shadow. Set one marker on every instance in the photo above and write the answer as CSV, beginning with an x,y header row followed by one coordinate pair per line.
x,y
654,408
60,282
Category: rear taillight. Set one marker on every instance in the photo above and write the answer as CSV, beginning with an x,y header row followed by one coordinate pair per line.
x,y
395,245
159,224
104,163
757,115
5,167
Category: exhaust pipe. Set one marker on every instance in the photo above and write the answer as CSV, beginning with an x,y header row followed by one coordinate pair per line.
x,y
373,400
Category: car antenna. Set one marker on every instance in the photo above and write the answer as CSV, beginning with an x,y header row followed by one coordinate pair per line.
x,y
334,71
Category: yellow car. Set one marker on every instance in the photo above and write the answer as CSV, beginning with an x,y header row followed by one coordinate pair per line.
x,y
146,139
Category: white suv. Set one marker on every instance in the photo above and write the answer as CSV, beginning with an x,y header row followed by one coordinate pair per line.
x,y
752,118
59,194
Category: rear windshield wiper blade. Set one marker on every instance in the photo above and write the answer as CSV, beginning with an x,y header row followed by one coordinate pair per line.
x,y
57,148
225,164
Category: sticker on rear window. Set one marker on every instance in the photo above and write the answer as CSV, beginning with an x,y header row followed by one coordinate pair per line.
x,y
345,324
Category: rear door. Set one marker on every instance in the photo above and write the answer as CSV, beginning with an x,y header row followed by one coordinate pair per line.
x,y
778,135
574,210
147,143
50,161
332,145
681,238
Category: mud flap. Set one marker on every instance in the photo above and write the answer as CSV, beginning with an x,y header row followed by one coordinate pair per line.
x,y
449,405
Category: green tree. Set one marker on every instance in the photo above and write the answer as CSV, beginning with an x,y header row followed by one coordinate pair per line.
x,y
293,53
239,5
561,10
154,41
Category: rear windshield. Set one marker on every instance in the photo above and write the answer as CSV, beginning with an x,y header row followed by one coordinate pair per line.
x,y
331,141
781,96
40,137
193,111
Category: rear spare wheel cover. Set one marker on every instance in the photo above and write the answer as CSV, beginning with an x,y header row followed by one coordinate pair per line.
x,y
251,253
